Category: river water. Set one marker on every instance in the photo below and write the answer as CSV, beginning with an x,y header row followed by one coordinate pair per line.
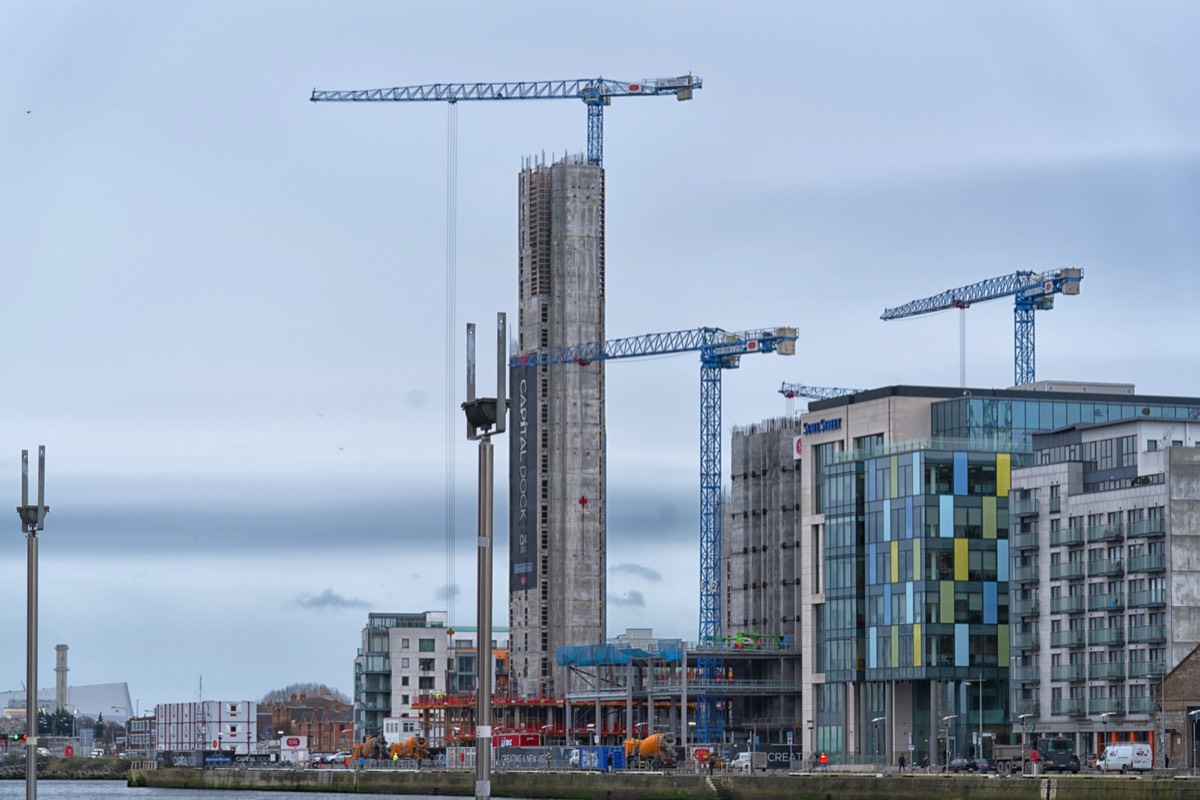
x,y
117,790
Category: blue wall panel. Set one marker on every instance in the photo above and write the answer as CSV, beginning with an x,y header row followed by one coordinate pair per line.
x,y
960,473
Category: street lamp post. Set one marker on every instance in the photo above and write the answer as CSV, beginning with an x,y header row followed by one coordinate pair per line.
x,y
875,723
33,519
485,416
1104,742
1195,717
979,741
1024,738
946,720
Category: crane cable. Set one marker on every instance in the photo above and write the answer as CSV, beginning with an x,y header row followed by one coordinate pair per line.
x,y
451,291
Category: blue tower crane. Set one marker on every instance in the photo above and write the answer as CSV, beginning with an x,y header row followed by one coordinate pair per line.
x,y
1030,291
790,390
596,93
793,390
719,350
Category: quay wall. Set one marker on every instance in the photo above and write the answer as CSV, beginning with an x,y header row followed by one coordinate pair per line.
x,y
682,786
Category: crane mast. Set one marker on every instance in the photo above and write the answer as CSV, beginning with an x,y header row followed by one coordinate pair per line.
x,y
596,93
719,350
1030,291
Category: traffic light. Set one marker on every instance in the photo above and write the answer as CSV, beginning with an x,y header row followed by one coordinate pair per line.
x,y
17,737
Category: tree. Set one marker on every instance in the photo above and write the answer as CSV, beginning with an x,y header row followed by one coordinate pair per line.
x,y
99,727
309,690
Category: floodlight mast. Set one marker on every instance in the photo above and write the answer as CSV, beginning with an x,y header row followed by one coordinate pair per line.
x,y
33,520
485,416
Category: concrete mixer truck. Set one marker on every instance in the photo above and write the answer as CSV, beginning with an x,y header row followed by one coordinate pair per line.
x,y
656,750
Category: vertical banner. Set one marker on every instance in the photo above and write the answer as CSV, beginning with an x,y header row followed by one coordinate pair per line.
x,y
523,479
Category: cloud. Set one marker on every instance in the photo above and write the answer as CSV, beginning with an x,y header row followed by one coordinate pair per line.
x,y
329,600
447,593
652,575
631,599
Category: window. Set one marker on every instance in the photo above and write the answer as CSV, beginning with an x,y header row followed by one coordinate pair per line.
x,y
404,663
426,645
404,680
404,645
426,664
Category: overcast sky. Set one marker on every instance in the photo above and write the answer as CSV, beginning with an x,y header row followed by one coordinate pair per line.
x,y
225,305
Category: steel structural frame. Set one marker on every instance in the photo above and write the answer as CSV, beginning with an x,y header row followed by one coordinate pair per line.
x,y
719,350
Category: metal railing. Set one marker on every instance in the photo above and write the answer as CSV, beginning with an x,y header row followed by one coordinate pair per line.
x,y
1109,671
1069,672
1106,636
1067,604
1105,533
1109,602
1155,562
1154,597
1147,527
1106,566
1067,570
1023,508
1067,536
1068,639
1147,633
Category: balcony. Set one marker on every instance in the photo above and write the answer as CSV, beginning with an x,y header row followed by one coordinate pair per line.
x,y
1024,541
1106,602
1055,504
1067,536
1024,606
1147,528
1024,674
1107,705
1068,639
1155,562
1025,573
1075,673
1141,705
1026,641
1146,669
1070,604
1106,636
1151,599
1107,672
1106,566
1023,508
1147,633
1070,570
1022,707
1069,706
1105,533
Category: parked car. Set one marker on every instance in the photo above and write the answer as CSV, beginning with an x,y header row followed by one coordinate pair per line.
x,y
961,764
984,765
339,757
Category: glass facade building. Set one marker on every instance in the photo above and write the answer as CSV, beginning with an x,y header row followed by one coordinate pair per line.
x,y
910,517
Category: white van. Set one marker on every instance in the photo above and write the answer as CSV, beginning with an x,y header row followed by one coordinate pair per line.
x,y
1124,757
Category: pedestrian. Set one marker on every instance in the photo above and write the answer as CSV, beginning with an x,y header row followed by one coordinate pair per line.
x,y
902,762
812,762
824,762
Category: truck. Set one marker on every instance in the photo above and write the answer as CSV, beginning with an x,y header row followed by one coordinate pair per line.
x,y
656,750
413,747
1126,756
1055,754
1007,758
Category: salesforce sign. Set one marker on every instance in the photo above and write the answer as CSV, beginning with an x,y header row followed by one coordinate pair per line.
x,y
822,426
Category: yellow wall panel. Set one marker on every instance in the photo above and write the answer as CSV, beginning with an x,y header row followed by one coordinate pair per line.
x,y
895,562
1003,474
917,645
961,565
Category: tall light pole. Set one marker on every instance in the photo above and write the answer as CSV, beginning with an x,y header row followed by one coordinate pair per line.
x,y
1104,743
485,416
1024,738
875,722
946,720
33,519
979,742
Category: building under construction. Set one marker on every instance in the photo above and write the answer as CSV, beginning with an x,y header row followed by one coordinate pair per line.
x,y
557,447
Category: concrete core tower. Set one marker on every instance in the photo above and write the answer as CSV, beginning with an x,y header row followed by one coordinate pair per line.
x,y
557,446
